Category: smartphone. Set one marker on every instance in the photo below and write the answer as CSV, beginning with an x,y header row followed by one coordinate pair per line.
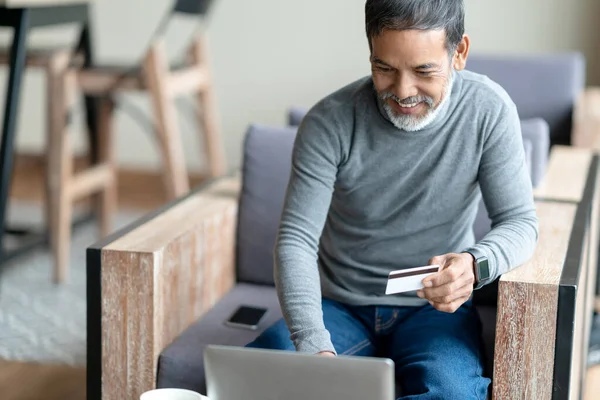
x,y
246,317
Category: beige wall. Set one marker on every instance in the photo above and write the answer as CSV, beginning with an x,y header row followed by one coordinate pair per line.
x,y
270,54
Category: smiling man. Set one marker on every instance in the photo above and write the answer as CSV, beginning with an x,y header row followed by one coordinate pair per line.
x,y
387,174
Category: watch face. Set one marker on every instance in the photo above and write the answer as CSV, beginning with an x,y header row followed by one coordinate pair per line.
x,y
483,268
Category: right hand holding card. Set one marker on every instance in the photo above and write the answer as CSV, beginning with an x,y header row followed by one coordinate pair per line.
x,y
408,280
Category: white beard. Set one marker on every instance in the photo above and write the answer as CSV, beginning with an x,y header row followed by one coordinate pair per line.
x,y
411,123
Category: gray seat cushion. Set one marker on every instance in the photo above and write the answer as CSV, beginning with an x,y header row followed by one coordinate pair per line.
x,y
266,171
181,364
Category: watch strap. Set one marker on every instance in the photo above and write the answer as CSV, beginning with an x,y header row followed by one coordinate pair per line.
x,y
477,255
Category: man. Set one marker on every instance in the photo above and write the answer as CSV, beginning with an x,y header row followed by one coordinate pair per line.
x,y
387,174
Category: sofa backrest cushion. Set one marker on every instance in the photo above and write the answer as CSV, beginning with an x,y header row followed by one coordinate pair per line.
x,y
536,139
542,85
265,174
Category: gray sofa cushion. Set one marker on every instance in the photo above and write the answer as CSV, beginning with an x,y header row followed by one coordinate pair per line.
x,y
536,139
181,364
542,85
266,171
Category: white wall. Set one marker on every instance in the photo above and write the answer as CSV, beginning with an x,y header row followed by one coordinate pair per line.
x,y
270,54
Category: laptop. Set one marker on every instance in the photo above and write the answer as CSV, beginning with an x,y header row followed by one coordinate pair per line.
x,y
254,374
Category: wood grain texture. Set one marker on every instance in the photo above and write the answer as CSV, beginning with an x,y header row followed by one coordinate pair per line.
x,y
566,175
546,264
586,120
527,309
160,278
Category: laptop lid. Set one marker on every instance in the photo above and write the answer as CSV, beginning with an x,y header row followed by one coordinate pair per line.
x,y
256,374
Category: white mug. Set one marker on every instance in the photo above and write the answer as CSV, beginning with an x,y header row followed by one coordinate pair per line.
x,y
172,394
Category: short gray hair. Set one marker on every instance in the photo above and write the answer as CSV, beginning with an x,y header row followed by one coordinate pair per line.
x,y
448,15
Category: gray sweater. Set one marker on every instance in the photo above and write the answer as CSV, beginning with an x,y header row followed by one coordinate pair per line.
x,y
365,198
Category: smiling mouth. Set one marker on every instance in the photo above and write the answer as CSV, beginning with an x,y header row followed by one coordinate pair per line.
x,y
411,105
407,109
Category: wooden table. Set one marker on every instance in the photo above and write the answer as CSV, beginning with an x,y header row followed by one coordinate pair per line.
x,y
23,15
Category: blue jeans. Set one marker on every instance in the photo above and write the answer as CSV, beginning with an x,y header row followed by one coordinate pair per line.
x,y
437,355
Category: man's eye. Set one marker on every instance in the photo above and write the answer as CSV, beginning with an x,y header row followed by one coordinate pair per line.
x,y
424,73
383,69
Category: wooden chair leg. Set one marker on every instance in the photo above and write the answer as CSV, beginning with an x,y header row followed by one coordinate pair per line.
x,y
107,200
58,164
208,113
156,70
60,172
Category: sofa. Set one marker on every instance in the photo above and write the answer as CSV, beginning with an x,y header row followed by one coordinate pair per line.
x,y
160,289
266,168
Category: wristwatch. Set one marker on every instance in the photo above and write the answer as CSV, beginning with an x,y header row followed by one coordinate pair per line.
x,y
481,268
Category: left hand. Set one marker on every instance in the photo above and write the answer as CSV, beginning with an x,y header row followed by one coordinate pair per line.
x,y
452,286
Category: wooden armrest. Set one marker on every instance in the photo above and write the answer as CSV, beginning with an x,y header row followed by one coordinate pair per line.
x,y
566,175
545,305
586,120
147,283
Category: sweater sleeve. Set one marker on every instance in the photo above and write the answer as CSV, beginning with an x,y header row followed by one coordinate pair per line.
x,y
315,159
508,195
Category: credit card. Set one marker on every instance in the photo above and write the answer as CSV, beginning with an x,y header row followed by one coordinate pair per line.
x,y
407,280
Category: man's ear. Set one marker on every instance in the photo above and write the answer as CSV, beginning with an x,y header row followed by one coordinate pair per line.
x,y
459,61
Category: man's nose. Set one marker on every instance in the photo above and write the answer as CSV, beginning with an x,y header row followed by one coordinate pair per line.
x,y
405,86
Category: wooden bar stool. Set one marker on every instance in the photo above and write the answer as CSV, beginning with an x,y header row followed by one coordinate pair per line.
x,y
54,61
48,59
164,84
64,185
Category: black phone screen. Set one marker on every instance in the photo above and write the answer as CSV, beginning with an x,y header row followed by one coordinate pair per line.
x,y
246,315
